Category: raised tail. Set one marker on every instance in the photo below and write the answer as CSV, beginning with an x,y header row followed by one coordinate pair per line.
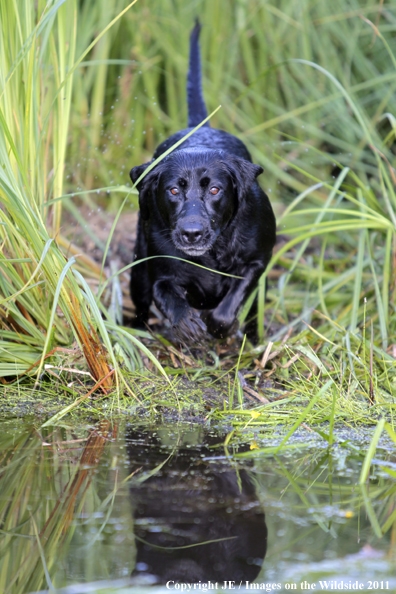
x,y
195,101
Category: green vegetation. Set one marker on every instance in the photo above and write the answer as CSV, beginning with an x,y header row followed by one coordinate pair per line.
x,y
44,306
87,90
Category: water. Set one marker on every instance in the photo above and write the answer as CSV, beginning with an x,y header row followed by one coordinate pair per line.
x,y
122,507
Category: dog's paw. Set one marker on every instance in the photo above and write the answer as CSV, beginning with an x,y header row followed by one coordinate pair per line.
x,y
189,328
220,325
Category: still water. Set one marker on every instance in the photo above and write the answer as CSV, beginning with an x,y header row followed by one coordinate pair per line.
x,y
118,506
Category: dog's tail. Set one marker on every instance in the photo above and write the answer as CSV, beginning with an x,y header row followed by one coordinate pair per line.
x,y
195,101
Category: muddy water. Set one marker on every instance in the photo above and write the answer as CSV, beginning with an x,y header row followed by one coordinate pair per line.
x,y
122,507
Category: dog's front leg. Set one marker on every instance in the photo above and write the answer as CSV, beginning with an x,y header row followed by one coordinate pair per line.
x,y
171,301
221,321
140,284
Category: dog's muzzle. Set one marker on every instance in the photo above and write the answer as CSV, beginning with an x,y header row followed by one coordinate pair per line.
x,y
191,232
192,236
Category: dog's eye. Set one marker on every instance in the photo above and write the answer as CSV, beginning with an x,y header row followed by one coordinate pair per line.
x,y
214,190
174,191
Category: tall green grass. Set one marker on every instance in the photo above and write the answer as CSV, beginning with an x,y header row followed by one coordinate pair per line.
x,y
45,308
309,86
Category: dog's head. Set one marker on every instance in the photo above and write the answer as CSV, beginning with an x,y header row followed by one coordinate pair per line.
x,y
196,193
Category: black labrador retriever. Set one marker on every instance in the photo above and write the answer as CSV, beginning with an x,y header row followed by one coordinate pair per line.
x,y
201,204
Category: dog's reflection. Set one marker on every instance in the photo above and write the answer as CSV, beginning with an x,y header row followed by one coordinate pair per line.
x,y
196,519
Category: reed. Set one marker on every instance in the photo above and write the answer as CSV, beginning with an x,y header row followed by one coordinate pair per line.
x,y
43,308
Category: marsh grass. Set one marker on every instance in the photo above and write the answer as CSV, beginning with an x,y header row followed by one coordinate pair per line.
x,y
310,89
44,306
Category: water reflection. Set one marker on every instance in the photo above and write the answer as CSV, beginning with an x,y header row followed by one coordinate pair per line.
x,y
195,519
130,505
44,479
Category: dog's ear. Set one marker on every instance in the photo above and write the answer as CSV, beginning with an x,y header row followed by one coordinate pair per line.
x,y
146,186
243,174
137,171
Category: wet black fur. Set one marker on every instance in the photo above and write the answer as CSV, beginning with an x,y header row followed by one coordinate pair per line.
x,y
232,231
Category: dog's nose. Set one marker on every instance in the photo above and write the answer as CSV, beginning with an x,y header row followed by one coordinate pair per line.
x,y
192,232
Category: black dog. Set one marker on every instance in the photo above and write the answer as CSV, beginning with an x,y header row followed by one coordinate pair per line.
x,y
202,204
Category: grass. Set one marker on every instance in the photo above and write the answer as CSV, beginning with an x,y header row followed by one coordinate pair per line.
x,y
87,91
44,306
